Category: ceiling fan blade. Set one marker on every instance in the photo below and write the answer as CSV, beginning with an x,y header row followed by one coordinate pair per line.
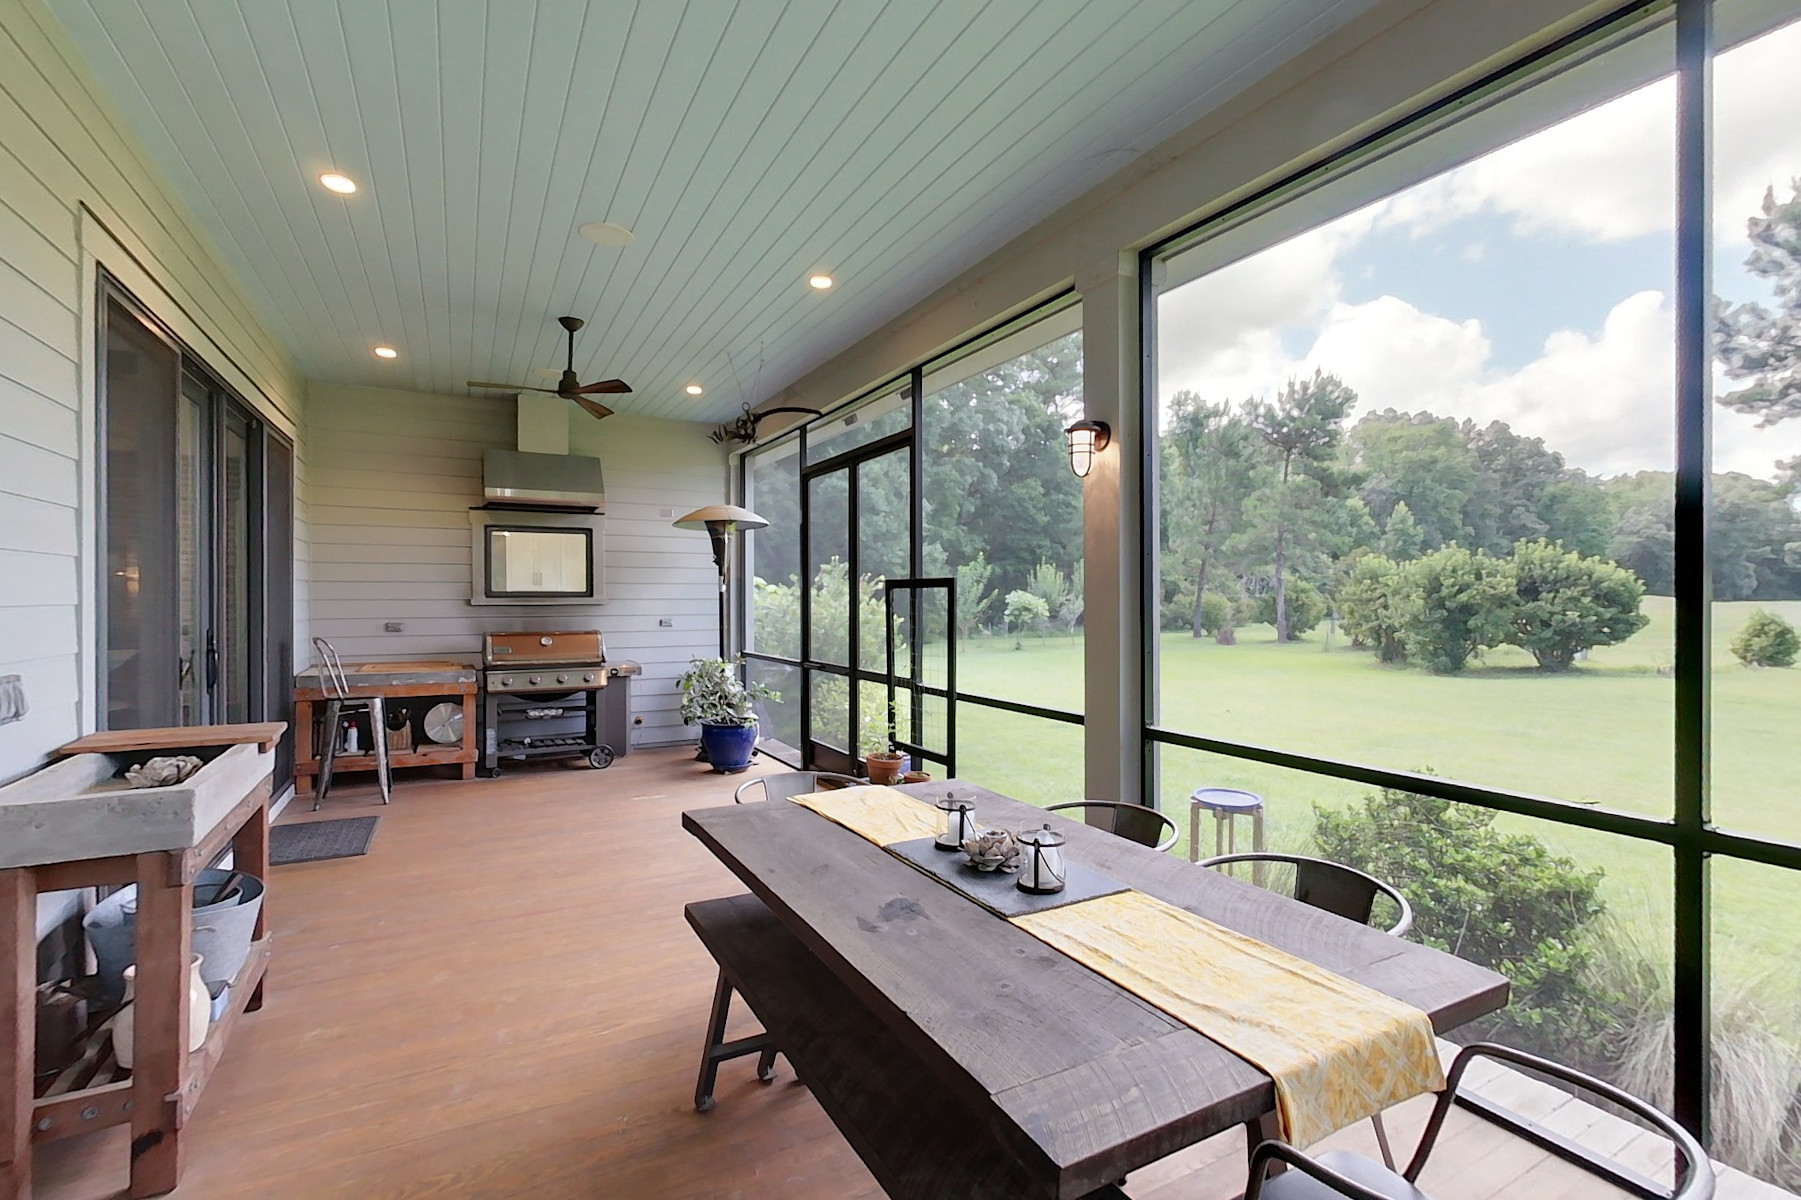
x,y
510,387
594,408
605,385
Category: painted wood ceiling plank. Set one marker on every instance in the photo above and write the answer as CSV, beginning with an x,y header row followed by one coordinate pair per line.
x,y
227,167
808,147
415,36
75,127
352,225
598,51
998,43
838,34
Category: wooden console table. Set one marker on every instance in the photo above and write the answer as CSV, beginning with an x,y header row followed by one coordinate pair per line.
x,y
391,681
166,1079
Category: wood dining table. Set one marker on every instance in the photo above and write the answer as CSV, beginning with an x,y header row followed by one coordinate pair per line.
x,y
963,1057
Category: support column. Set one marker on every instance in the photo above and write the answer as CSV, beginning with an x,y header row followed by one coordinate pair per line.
x,y
1110,532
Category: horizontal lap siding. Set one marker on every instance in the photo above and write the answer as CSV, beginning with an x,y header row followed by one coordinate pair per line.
x,y
391,477
63,148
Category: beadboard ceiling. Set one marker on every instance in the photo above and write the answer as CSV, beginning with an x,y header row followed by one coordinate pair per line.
x,y
746,144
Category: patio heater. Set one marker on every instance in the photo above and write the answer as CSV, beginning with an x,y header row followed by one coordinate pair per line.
x,y
721,521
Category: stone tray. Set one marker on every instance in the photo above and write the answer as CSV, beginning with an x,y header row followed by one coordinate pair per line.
x,y
997,891
80,808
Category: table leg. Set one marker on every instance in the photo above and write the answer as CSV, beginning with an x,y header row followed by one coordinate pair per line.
x,y
1194,832
18,1025
469,732
160,1023
250,853
1259,870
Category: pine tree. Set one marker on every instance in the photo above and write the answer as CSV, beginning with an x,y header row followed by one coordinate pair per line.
x,y
1759,345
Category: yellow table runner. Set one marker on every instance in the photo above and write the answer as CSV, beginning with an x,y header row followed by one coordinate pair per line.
x,y
881,814
1338,1051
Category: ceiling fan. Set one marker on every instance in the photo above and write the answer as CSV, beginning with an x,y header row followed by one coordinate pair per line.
x,y
744,428
571,387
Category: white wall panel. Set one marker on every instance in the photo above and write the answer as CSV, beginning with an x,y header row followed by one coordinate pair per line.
x,y
392,475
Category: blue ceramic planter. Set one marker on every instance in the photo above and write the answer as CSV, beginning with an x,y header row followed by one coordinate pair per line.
x,y
728,747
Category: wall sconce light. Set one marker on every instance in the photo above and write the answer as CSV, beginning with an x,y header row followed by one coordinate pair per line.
x,y
1086,439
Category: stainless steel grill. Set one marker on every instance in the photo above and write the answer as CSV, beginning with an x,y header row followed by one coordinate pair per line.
x,y
542,697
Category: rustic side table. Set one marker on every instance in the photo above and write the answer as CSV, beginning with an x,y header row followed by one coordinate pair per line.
x,y
163,858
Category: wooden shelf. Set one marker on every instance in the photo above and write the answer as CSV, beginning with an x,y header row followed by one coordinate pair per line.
x,y
464,754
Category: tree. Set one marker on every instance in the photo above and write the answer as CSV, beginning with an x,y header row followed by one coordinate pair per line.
x,y
1048,582
1025,611
1565,603
1453,605
1402,538
1210,465
1499,899
1307,607
1762,346
1302,428
1371,601
1524,490
1420,461
1076,603
973,597
1766,641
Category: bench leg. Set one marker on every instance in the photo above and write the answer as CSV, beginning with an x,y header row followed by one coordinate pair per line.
x,y
718,1050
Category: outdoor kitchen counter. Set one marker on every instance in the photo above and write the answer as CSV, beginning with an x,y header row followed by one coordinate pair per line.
x,y
448,680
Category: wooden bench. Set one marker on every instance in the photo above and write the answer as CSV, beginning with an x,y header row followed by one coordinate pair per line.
x,y
914,1136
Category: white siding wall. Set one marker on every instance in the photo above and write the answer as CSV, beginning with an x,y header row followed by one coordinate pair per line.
x,y
392,476
77,190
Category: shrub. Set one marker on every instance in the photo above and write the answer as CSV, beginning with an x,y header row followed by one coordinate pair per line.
x,y
1219,617
1306,608
1454,605
1565,603
1371,600
1025,611
1766,641
1503,900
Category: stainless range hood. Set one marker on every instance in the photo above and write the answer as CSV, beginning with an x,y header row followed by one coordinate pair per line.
x,y
571,481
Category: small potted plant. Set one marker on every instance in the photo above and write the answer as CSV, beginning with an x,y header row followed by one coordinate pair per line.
x,y
724,707
884,766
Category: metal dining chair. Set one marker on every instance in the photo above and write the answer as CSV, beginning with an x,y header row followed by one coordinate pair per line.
x,y
1134,822
791,783
340,703
1340,890
1341,1175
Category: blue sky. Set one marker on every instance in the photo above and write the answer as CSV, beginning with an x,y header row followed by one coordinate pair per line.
x,y
1531,285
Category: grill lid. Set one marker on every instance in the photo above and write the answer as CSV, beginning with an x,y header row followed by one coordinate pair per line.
x,y
577,647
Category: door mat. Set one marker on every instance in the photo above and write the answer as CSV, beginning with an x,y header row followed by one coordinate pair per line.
x,y
311,841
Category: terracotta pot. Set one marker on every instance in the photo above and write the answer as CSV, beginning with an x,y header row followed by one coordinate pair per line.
x,y
917,777
884,768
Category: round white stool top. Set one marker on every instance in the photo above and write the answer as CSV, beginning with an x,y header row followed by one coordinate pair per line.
x,y
1227,799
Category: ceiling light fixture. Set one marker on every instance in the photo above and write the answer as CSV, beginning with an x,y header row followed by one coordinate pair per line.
x,y
820,283
386,352
694,389
605,233
334,181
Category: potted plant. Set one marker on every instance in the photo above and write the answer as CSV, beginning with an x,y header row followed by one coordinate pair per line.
x,y
884,766
724,707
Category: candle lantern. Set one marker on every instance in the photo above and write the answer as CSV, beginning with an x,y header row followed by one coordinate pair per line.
x,y
1043,870
956,821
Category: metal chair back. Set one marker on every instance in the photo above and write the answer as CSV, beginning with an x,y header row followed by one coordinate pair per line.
x,y
792,783
1135,822
1342,1174
1338,889
337,685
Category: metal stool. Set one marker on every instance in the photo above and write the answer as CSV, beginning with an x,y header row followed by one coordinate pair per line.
x,y
1225,804
339,703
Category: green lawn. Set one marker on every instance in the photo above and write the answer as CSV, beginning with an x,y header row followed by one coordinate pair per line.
x,y
1599,734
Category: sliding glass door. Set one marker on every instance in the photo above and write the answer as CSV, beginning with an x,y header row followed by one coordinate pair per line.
x,y
197,534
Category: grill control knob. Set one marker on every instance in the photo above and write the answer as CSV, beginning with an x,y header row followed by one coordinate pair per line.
x,y
562,679
544,641
506,681
534,679
588,678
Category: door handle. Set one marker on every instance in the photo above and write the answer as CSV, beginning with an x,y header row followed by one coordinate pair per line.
x,y
212,660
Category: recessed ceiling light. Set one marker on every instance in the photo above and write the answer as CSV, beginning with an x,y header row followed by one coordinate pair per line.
x,y
694,389
386,352
605,233
333,181
820,283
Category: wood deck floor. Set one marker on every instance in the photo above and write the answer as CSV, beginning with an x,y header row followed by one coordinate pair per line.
x,y
502,1000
